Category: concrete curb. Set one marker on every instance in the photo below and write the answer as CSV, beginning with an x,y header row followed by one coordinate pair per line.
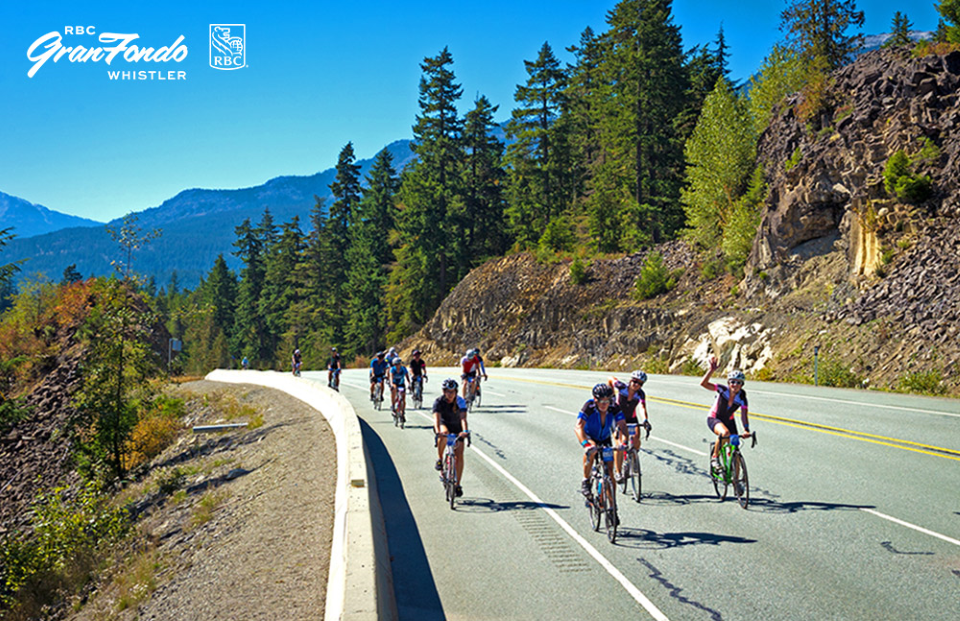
x,y
360,585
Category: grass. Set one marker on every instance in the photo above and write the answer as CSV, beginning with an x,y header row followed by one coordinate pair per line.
x,y
205,508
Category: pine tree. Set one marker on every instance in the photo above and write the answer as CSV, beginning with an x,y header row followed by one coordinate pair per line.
x,y
817,29
900,31
950,12
583,96
346,200
722,55
250,331
71,275
220,295
483,180
538,191
431,188
280,292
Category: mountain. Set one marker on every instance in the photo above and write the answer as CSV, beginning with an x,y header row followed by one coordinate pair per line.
x,y
197,225
875,42
27,219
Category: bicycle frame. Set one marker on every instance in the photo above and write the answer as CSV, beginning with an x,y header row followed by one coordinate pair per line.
x,y
448,473
733,470
604,499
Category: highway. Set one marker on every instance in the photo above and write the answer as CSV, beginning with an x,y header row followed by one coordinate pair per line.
x,y
854,512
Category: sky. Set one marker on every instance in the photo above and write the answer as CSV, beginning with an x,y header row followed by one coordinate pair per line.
x,y
315,76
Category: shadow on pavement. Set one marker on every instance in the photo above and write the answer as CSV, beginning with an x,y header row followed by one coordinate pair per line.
x,y
413,583
487,505
649,540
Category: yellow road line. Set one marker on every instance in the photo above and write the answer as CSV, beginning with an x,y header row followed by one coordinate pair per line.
x,y
936,451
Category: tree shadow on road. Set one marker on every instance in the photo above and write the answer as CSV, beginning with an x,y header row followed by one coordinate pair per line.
x,y
414,587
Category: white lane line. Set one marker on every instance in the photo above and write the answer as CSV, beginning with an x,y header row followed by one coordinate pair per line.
x,y
495,394
913,526
547,407
607,565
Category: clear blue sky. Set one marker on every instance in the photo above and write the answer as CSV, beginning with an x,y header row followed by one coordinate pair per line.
x,y
318,75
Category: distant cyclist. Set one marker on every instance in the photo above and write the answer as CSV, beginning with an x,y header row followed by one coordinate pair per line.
x,y
378,371
245,363
297,361
418,369
721,418
391,354
595,424
630,399
472,367
450,416
398,386
334,365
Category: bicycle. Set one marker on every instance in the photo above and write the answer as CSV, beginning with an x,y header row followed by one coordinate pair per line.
x,y
448,472
335,380
378,395
399,414
296,368
632,474
733,470
473,393
418,391
602,502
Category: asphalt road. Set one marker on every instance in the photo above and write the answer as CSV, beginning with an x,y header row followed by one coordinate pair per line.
x,y
854,513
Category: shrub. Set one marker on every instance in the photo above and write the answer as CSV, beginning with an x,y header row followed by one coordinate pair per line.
x,y
832,372
578,272
899,180
654,278
794,159
923,382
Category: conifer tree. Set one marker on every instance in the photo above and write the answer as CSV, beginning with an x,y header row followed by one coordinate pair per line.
x,y
781,74
346,200
817,29
250,331
950,12
583,96
219,294
538,190
900,31
483,180
280,292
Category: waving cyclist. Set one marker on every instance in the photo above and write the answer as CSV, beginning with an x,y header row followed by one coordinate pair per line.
x,y
595,424
378,370
450,416
729,398
334,365
630,398
472,364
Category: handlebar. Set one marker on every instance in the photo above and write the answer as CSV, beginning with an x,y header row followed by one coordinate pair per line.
x,y
464,435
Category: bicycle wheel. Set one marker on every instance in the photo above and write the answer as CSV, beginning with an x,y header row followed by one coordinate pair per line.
x,y
378,397
598,502
418,395
741,483
450,475
634,479
719,480
610,511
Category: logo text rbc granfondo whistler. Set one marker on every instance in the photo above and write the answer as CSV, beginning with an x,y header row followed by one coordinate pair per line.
x,y
227,51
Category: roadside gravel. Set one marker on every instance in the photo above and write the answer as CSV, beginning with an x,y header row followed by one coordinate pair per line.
x,y
264,550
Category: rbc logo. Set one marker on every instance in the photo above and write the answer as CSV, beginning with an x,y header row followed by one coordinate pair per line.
x,y
228,46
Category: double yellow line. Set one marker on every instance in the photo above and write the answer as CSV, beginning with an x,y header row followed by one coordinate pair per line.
x,y
906,445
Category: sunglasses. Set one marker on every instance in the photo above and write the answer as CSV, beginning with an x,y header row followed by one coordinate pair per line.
x,y
636,381
607,401
736,383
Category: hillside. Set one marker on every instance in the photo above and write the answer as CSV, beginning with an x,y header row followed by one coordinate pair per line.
x,y
28,219
837,264
197,224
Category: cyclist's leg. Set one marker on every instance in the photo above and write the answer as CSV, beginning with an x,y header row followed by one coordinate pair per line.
x,y
721,432
459,455
401,399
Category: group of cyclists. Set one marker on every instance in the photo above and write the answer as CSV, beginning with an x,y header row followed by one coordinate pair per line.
x,y
602,421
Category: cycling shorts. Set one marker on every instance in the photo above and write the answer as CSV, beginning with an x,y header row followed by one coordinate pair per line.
x,y
469,376
376,378
730,424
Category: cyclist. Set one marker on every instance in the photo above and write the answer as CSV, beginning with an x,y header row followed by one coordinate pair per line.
x,y
297,361
398,386
729,398
245,363
418,370
595,423
450,416
334,365
391,354
629,397
471,364
378,370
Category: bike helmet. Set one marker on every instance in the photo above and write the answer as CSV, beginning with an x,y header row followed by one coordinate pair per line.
x,y
474,352
450,384
416,352
333,349
296,351
397,361
736,374
381,354
640,376
602,391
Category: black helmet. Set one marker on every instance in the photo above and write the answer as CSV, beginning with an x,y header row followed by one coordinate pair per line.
x,y
450,384
416,352
381,354
602,391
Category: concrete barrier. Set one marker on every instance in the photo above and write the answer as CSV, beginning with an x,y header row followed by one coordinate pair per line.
x,y
360,585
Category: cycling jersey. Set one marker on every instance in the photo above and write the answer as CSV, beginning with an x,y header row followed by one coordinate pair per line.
x,y
629,406
378,367
335,362
398,375
450,412
722,409
296,358
470,366
599,431
418,367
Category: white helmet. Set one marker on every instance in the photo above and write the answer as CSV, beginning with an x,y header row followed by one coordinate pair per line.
x,y
640,376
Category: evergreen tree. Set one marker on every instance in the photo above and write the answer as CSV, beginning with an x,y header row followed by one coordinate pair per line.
x,y
483,180
430,190
721,154
369,256
817,29
636,185
280,292
71,275
538,189
900,31
346,200
950,12
250,332
722,54
219,293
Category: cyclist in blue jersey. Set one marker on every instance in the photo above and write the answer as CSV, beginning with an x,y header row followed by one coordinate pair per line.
x,y
398,386
632,402
595,424
378,370
729,399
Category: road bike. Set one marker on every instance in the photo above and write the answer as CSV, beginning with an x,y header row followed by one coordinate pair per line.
x,y
448,471
335,380
296,368
473,393
398,409
378,394
632,474
602,501
417,395
733,470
